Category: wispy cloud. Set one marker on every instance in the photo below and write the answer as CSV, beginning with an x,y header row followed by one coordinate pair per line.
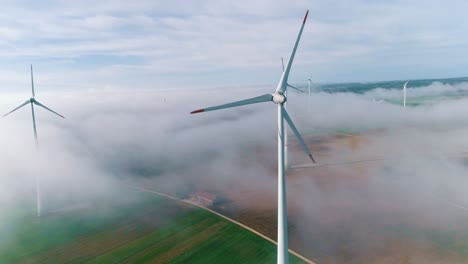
x,y
218,42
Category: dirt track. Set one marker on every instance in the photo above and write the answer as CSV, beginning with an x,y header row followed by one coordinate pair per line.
x,y
225,217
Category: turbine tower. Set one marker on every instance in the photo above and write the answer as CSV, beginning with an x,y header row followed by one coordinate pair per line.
x,y
404,95
33,102
310,84
279,98
286,146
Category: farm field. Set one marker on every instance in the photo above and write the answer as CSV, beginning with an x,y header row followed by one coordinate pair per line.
x,y
145,228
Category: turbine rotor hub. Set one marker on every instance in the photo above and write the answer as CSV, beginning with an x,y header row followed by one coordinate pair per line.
x,y
279,98
32,100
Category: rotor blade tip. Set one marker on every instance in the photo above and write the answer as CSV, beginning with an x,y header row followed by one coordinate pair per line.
x,y
312,158
305,18
197,111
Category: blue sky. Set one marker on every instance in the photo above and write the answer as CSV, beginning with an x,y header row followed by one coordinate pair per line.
x,y
165,44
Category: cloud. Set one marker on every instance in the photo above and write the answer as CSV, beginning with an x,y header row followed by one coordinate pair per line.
x,y
214,42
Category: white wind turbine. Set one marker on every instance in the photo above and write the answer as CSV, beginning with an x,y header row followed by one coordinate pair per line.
x,y
279,98
33,102
286,146
404,95
310,85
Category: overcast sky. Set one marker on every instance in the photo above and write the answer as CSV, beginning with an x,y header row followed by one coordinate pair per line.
x,y
213,43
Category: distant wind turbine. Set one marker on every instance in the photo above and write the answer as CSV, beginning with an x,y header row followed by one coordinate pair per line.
x,y
293,87
279,98
286,147
404,95
310,85
286,152
33,102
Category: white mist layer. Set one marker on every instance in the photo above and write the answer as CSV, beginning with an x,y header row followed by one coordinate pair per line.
x,y
109,136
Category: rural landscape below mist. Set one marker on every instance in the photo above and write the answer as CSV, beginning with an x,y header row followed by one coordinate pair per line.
x,y
136,172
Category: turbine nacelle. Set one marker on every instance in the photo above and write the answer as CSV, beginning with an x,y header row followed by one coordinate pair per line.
x,y
32,100
278,98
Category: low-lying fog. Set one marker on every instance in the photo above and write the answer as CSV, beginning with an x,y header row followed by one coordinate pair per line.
x,y
409,207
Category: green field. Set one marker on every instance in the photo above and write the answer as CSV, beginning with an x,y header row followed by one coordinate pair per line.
x,y
144,229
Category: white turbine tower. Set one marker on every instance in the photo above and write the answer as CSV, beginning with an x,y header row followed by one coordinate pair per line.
x,y
404,95
286,146
279,98
33,102
310,85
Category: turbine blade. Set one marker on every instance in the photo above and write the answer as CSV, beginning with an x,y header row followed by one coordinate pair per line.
x,y
45,107
254,100
296,132
295,88
32,82
282,63
282,85
25,103
333,164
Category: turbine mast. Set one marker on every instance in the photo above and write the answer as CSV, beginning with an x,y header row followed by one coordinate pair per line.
x,y
404,95
38,182
34,125
283,257
286,159
310,84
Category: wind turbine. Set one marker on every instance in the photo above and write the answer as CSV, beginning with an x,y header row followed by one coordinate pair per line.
x,y
310,84
33,102
279,98
404,95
